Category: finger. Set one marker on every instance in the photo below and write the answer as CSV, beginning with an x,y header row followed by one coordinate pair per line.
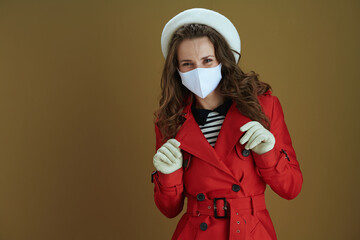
x,y
257,132
248,125
164,150
157,161
175,151
174,142
249,133
163,158
256,141
160,166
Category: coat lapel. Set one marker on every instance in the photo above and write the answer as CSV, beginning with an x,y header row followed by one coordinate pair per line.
x,y
192,140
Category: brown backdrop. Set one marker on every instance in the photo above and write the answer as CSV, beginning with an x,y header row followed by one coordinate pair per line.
x,y
79,81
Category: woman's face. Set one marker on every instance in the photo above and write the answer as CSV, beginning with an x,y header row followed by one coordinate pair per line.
x,y
196,53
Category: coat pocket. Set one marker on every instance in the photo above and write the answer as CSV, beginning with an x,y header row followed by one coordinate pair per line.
x,y
264,229
250,225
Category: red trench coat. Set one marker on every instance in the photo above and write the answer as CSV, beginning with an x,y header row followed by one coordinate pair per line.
x,y
229,172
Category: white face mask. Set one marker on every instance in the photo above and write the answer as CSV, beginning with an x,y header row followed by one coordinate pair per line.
x,y
202,81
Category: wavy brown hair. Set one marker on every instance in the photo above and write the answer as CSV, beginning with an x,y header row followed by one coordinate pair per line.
x,y
243,88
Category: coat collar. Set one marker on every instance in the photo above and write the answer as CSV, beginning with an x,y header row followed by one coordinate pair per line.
x,y
192,140
201,115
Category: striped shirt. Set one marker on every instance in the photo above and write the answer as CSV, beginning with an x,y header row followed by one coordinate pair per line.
x,y
210,121
212,127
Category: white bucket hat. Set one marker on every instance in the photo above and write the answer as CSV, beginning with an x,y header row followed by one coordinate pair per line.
x,y
202,16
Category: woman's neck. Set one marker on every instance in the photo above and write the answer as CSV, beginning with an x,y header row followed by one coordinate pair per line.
x,y
212,101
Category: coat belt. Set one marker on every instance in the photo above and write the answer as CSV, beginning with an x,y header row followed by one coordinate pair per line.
x,y
232,208
243,205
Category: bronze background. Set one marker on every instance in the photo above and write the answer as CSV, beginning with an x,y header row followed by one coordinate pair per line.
x,y
79,81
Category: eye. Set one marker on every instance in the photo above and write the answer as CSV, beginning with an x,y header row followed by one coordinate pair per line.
x,y
185,64
208,60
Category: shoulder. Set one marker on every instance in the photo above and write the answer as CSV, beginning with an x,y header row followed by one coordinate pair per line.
x,y
266,99
268,93
268,102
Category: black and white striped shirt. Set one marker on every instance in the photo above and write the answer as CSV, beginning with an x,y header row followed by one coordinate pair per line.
x,y
210,121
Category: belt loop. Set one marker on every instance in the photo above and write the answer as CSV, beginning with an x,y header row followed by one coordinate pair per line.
x,y
195,211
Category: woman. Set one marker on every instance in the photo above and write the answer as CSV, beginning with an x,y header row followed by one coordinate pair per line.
x,y
220,135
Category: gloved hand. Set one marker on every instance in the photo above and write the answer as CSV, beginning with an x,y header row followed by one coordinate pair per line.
x,y
168,157
260,140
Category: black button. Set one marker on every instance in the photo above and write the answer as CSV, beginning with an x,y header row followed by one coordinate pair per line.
x,y
235,188
245,152
203,226
200,197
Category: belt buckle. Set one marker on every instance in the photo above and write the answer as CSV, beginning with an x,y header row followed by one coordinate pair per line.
x,y
225,208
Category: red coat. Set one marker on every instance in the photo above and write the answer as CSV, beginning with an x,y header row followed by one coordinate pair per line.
x,y
230,172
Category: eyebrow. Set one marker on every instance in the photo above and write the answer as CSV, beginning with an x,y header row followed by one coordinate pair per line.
x,y
187,60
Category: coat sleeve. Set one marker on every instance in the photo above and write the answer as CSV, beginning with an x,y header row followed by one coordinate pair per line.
x,y
279,167
168,188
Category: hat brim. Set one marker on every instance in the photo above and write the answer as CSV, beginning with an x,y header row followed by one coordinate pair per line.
x,y
202,16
